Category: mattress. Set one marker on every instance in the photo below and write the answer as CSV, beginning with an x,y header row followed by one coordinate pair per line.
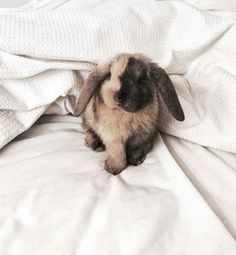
x,y
56,198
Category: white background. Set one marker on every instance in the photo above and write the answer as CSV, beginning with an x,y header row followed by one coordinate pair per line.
x,y
12,3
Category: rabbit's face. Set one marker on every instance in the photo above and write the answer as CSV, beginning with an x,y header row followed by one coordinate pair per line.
x,y
128,86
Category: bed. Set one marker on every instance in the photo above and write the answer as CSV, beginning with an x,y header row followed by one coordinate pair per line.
x,y
56,197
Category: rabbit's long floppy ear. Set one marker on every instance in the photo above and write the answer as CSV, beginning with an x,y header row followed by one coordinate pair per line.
x,y
164,85
93,81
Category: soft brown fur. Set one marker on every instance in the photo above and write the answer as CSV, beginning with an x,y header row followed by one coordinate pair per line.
x,y
123,124
115,126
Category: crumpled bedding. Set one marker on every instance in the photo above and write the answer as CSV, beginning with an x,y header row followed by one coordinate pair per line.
x,y
55,196
41,45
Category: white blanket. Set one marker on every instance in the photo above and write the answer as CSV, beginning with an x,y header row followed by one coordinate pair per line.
x,y
56,198
42,43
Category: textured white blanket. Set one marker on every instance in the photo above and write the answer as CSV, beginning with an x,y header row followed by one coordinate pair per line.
x,y
42,43
55,200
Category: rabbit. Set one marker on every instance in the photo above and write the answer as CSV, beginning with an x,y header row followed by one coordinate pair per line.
x,y
119,103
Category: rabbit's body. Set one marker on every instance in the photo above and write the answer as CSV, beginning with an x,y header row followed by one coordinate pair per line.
x,y
110,123
122,108
134,132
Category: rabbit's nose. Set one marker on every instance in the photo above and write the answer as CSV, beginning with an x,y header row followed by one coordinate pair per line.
x,y
116,97
120,96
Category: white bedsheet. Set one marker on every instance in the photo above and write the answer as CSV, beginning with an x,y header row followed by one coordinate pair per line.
x,y
41,45
55,197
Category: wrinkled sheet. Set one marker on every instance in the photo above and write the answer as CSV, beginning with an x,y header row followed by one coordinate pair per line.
x,y
56,198
41,45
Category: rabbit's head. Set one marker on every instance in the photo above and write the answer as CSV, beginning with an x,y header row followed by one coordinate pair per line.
x,y
130,82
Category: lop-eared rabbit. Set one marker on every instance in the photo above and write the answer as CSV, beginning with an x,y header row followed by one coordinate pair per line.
x,y
119,102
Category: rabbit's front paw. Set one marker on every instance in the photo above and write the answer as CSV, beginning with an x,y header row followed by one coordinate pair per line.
x,y
113,166
136,156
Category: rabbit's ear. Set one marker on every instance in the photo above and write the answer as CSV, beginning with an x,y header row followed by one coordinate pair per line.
x,y
91,84
164,85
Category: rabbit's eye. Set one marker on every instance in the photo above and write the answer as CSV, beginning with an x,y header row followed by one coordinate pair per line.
x,y
141,79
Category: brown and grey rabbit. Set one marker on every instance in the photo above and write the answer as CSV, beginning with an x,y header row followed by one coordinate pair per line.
x,y
119,103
